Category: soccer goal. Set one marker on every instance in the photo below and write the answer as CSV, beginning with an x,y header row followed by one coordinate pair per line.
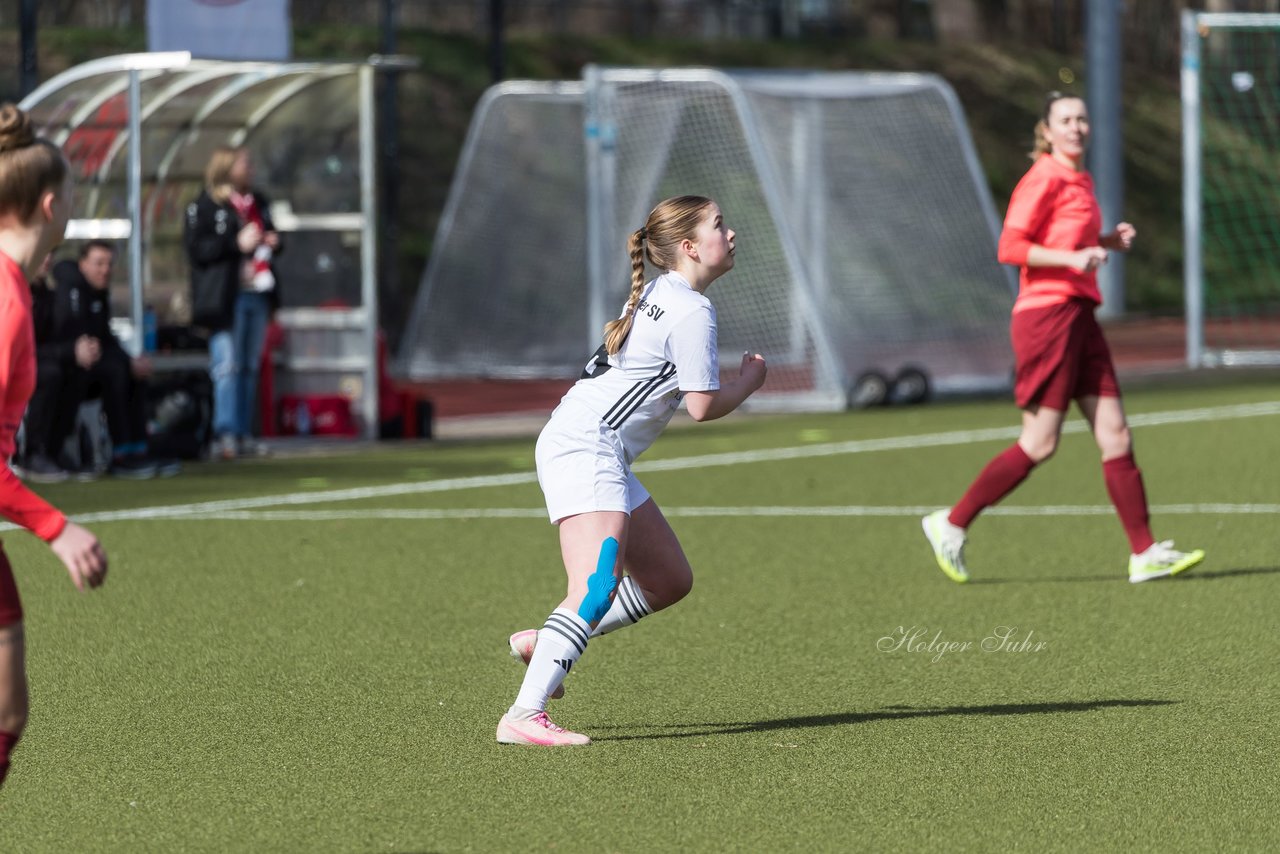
x,y
1231,187
866,231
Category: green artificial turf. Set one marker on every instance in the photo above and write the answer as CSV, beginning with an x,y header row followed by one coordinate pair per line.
x,y
332,683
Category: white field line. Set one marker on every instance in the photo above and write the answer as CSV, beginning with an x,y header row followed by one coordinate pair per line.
x,y
719,512
955,437
861,446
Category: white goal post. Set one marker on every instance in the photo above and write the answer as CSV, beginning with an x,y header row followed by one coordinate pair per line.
x,y
1231,188
866,230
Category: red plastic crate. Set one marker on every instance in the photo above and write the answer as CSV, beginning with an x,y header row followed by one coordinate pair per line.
x,y
317,415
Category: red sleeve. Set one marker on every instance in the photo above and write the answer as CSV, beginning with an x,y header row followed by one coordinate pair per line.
x,y
23,507
17,503
1028,207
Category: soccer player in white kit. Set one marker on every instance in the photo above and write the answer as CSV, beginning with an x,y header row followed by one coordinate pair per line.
x,y
660,351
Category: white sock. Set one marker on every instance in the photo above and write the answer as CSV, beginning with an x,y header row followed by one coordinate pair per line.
x,y
561,642
627,608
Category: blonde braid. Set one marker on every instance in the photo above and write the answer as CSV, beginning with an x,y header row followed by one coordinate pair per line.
x,y
673,220
616,331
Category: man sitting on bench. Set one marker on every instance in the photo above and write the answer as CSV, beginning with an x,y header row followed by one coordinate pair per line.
x,y
79,359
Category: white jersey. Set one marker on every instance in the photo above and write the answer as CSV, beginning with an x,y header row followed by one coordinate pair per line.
x,y
671,349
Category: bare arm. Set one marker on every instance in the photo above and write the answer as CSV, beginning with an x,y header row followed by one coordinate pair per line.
x,y
710,405
1080,260
1083,260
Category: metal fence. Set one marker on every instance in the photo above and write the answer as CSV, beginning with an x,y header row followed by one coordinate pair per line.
x,y
1150,27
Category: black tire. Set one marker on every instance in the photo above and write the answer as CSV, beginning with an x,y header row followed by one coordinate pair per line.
x,y
869,389
911,385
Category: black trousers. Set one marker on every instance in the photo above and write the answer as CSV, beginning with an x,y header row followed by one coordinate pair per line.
x,y
61,388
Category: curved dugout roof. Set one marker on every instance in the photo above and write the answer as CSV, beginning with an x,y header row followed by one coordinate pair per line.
x,y
186,108
309,126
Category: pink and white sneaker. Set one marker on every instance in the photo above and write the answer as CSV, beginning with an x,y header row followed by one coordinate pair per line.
x,y
522,644
538,730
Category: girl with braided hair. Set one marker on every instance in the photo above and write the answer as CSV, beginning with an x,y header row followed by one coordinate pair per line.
x,y
661,350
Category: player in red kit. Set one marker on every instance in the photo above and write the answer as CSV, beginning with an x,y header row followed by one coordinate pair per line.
x,y
1053,232
35,199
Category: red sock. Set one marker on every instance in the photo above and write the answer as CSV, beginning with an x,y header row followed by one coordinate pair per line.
x,y
1124,485
7,741
1001,476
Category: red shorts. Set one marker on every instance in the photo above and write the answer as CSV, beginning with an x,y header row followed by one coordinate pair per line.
x,y
1061,356
10,604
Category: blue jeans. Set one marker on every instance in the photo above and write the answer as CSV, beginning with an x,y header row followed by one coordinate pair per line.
x,y
253,310
234,357
222,370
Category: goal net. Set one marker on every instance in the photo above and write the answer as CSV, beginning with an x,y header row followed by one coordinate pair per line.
x,y
1231,187
866,233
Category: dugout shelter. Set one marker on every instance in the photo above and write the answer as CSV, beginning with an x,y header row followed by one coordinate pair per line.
x,y
138,130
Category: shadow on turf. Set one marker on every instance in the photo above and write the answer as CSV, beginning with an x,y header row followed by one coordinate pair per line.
x,y
1229,573
889,713
1062,579
1186,576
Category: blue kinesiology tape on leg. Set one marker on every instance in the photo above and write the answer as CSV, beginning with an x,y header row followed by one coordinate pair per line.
x,y
600,584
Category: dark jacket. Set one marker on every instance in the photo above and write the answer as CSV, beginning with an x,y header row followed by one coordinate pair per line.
x,y
209,235
78,309
42,321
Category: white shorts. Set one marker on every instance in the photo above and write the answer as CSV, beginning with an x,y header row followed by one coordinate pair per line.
x,y
582,467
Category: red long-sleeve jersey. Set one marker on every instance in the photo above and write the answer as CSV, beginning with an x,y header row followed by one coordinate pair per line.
x,y
1053,206
17,380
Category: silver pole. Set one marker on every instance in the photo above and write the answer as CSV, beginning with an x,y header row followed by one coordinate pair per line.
x,y
801,193
369,253
1106,155
830,373
600,134
819,281
809,218
1192,260
135,212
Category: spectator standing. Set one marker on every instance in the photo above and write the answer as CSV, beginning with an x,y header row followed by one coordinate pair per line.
x,y
231,244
